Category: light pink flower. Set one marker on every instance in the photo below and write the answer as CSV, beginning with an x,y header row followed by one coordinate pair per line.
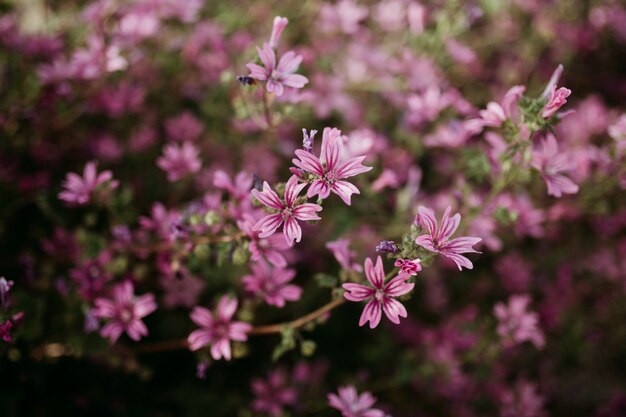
x,y
328,170
516,324
124,312
408,266
552,164
279,76
179,160
218,330
288,211
381,296
345,16
272,284
351,404
438,238
79,190
184,127
496,114
341,249
280,23
522,401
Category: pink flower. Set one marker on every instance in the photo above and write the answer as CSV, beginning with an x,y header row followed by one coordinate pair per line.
x,y
281,76
516,325
551,164
380,296
183,292
124,312
341,249
408,266
184,127
328,170
269,248
179,160
556,98
273,394
79,190
438,239
272,284
280,23
522,401
288,211
351,404
217,330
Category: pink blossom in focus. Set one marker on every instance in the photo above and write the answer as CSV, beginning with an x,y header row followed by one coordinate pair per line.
x,y
219,329
552,164
124,311
79,190
409,266
516,324
280,23
278,76
380,295
272,284
351,404
329,170
438,238
341,250
179,161
556,97
288,211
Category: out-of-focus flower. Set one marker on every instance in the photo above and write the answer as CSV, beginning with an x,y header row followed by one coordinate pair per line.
x,y
268,249
96,60
289,212
218,330
184,127
280,23
522,401
381,296
409,266
272,395
438,238
341,250
5,331
161,221
516,324
5,287
279,76
179,161
124,312
80,190
272,284
552,164
351,404
183,292
344,16
618,132
328,170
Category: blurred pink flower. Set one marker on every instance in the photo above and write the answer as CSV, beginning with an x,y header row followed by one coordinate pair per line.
x,y
183,291
279,76
179,160
516,324
438,238
272,284
522,401
268,249
380,296
351,404
273,394
288,211
552,164
124,312
344,16
341,250
328,170
218,330
79,190
184,127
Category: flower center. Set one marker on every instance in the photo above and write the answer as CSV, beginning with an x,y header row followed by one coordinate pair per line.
x,y
126,314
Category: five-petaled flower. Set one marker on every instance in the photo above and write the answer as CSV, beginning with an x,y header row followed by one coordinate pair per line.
x,y
328,169
272,284
279,76
351,404
79,190
288,211
124,312
552,164
381,296
438,238
218,330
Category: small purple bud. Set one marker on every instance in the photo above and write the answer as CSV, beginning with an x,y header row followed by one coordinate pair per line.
x,y
91,322
307,142
387,246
